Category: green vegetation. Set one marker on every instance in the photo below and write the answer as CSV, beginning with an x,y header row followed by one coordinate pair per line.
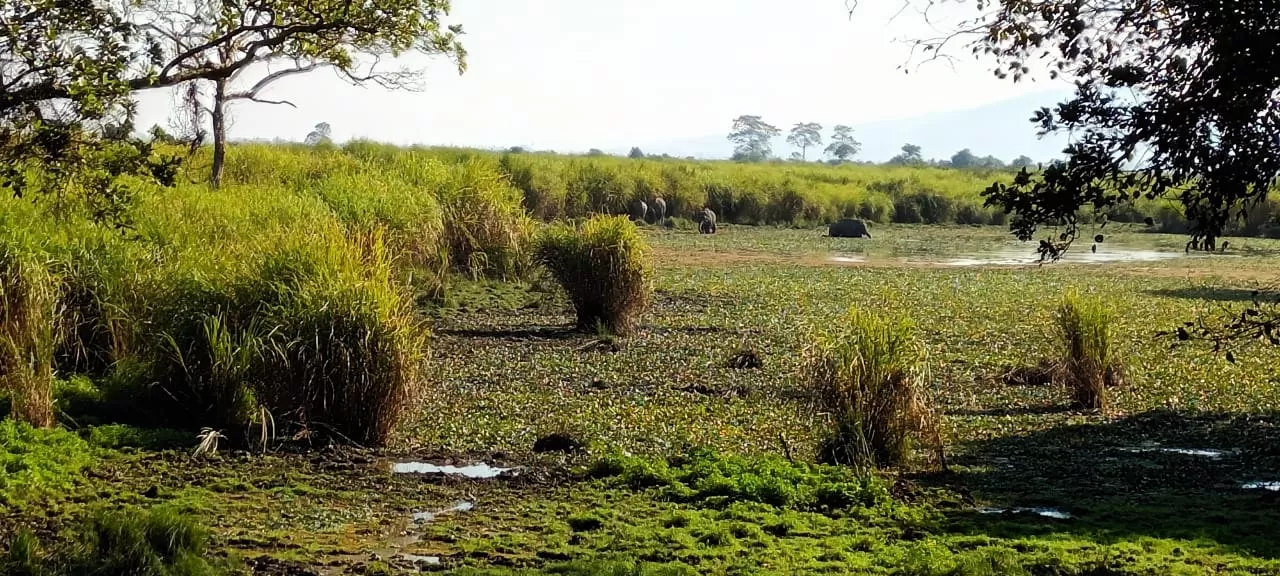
x,y
1089,364
603,264
867,373
27,336
157,543
324,292
37,462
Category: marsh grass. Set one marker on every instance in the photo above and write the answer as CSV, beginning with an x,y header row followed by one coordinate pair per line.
x,y
159,542
486,230
1090,363
28,337
867,372
604,266
231,310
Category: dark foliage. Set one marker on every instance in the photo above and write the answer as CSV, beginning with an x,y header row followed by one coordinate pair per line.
x,y
1174,99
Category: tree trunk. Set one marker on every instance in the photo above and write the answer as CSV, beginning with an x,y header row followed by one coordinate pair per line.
x,y
219,132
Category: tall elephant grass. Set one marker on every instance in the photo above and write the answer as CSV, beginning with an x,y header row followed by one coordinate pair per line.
x,y
28,335
292,313
230,308
604,266
866,372
1090,363
361,175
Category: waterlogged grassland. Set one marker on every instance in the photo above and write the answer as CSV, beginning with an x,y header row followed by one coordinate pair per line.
x,y
509,372
506,371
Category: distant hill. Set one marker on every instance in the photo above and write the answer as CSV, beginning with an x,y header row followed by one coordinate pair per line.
x,y
1002,129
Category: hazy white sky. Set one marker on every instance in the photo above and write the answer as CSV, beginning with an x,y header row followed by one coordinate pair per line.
x,y
574,74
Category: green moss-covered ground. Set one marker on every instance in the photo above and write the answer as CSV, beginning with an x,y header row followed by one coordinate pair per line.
x,y
506,371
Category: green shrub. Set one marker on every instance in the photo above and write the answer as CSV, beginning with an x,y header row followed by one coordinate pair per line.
x,y
866,372
604,267
1089,361
28,339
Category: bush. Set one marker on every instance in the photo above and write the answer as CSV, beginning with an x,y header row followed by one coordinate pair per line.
x,y
866,372
1089,360
28,316
604,267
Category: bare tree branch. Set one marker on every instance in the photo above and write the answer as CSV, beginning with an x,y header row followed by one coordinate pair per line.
x,y
272,77
261,101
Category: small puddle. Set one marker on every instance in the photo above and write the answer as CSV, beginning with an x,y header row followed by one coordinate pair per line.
x,y
1046,512
460,506
847,258
1028,257
1272,486
1201,452
477,470
418,561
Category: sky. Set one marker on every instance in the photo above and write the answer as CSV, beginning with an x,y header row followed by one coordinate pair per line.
x,y
569,75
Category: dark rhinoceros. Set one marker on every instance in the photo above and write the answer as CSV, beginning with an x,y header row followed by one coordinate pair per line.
x,y
849,228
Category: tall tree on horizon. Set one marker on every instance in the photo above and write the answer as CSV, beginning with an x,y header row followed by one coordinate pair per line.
x,y
751,137
805,135
843,145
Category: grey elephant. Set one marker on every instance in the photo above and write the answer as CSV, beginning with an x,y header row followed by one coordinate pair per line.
x,y
639,210
849,228
706,220
658,211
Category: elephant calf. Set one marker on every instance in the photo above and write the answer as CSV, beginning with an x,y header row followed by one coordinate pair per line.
x,y
849,228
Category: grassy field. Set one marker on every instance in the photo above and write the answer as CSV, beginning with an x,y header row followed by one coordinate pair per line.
x,y
552,186
647,498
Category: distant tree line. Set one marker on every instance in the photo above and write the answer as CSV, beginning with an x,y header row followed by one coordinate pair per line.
x,y
752,142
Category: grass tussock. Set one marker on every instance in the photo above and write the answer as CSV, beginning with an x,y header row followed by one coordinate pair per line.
x,y
318,335
237,310
866,372
604,266
1089,363
156,543
28,335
